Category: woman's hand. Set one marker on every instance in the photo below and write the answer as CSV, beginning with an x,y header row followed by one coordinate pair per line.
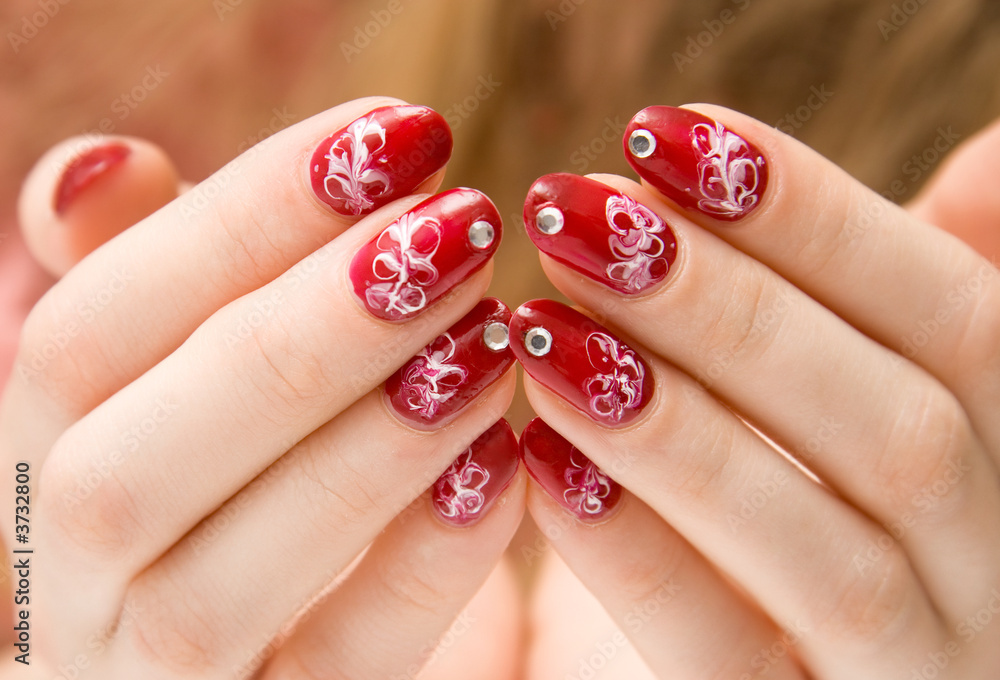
x,y
765,295
199,403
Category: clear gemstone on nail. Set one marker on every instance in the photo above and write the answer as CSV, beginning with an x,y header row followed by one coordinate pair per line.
x,y
496,336
481,234
549,220
641,143
538,341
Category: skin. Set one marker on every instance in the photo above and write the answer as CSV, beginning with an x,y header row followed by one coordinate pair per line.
x,y
725,596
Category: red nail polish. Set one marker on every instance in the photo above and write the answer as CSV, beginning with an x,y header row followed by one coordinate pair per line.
x,y
379,157
566,474
696,162
425,253
86,169
599,232
581,361
468,488
455,368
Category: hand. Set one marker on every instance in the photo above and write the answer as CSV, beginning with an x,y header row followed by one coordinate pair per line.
x,y
199,401
758,294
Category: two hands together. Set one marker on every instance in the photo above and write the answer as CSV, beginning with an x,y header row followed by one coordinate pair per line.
x,y
264,423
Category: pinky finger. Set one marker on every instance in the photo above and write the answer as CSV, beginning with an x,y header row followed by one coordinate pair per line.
x,y
386,619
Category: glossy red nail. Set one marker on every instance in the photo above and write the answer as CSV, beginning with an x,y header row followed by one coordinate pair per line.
x,y
581,361
599,232
425,253
379,158
696,162
467,489
566,474
455,368
86,169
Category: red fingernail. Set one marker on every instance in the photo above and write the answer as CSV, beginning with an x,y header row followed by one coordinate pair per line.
x,y
599,232
379,158
455,368
468,488
581,361
425,253
566,474
86,169
696,162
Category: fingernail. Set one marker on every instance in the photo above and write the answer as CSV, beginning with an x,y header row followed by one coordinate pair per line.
x,y
601,233
425,253
379,158
455,368
696,162
86,169
581,361
467,489
566,474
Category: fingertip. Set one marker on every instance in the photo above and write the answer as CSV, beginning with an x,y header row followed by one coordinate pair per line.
x,y
85,191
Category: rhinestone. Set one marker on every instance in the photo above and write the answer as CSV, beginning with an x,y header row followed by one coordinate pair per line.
x,y
538,341
549,220
641,143
496,336
481,234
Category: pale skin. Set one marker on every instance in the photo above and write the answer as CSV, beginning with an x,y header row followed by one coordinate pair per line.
x,y
832,358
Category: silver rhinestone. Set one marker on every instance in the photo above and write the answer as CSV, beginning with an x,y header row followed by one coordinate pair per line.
x,y
538,341
641,143
549,220
496,336
481,235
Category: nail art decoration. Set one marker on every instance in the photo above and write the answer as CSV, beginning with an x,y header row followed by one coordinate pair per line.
x,y
470,485
423,254
566,474
604,234
696,162
455,368
581,361
86,169
379,157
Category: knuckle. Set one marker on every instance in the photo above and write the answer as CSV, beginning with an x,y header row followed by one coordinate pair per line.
x,y
246,251
345,497
170,634
408,586
871,607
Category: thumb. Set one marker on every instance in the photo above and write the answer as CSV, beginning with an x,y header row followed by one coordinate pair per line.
x,y
84,192
963,197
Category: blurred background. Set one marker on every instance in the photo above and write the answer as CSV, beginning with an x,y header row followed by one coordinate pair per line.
x,y
529,87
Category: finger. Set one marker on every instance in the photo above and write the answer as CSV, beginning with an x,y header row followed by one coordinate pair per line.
x,y
676,609
877,428
961,196
695,463
84,192
569,625
386,620
318,510
834,239
236,231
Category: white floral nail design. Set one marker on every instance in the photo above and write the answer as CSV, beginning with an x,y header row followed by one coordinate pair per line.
x,y
404,265
618,385
634,242
588,485
458,493
432,379
728,172
351,164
